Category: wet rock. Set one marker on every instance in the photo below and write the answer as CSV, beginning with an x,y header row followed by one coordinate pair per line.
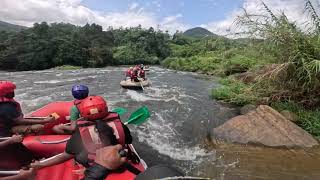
x,y
290,116
247,108
264,126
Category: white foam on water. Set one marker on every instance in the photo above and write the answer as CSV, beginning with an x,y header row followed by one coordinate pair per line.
x,y
56,81
37,101
95,76
164,91
21,96
106,70
48,82
140,97
163,137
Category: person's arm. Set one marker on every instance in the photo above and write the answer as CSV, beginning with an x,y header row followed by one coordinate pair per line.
x,y
69,129
65,129
22,121
107,159
13,140
58,159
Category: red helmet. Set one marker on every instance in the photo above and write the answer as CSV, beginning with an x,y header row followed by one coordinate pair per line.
x,y
93,108
6,87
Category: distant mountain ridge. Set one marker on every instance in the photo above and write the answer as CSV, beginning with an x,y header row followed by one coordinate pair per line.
x,y
4,26
198,32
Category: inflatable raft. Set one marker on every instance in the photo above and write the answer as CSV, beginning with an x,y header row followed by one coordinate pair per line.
x,y
128,84
49,145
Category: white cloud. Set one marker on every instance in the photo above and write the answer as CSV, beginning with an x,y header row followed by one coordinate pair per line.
x,y
27,12
133,6
172,24
294,9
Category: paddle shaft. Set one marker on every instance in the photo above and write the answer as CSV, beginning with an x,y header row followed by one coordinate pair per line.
x,y
17,172
141,84
9,173
4,138
34,117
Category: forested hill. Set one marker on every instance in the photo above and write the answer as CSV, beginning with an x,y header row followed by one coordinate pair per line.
x,y
49,45
198,32
4,26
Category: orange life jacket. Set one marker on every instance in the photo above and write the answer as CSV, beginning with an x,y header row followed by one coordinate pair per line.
x,y
90,135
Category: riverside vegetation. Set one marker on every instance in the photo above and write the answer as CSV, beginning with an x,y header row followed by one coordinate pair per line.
x,y
278,63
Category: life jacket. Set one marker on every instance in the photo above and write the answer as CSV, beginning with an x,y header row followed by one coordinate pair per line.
x,y
91,140
90,136
134,74
128,73
18,106
142,74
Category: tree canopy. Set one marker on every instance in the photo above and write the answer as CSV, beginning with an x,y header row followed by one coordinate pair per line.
x,y
49,45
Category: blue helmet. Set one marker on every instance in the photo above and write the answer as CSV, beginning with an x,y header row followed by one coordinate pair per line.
x,y
80,91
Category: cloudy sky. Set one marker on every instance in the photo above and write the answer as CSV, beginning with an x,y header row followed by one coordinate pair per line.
x,y
216,15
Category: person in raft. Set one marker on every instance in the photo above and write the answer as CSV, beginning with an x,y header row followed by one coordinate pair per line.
x,y
98,128
128,73
79,92
134,74
11,116
142,74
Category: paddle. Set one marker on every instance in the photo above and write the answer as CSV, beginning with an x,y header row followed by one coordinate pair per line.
x,y
139,116
35,117
119,110
15,172
55,115
141,85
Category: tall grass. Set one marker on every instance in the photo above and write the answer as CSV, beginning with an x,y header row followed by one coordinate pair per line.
x,y
296,49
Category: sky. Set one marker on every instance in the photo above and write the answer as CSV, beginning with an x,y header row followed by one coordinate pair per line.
x,y
216,15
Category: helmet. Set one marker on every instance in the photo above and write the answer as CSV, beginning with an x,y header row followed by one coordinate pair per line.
x,y
6,87
93,108
80,91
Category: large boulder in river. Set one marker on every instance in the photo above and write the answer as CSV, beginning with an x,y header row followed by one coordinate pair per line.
x,y
290,115
264,126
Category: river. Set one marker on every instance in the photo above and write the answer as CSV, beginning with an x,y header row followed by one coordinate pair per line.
x,y
183,114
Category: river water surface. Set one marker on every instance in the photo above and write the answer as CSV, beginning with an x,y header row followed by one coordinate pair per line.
x,y
183,114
